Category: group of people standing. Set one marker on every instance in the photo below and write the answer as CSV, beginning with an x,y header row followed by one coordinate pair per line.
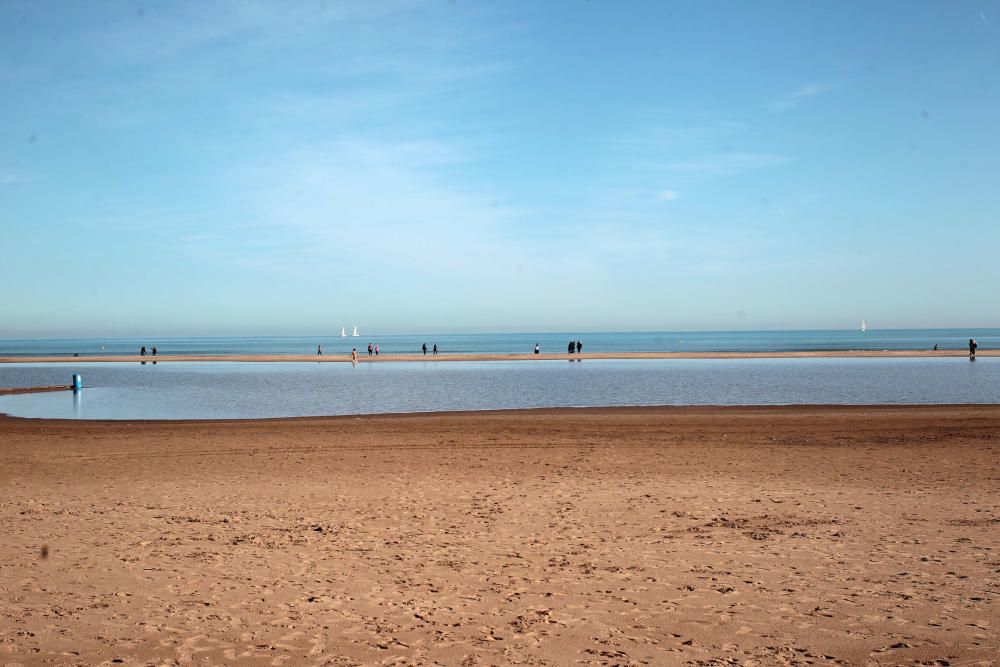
x,y
574,347
373,350
142,351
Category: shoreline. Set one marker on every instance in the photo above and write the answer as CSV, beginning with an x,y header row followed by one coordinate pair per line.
x,y
446,357
605,411
585,412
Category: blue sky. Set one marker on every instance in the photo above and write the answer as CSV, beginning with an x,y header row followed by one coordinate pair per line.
x,y
295,167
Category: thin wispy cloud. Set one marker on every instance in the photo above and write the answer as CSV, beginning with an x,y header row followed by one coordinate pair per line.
x,y
665,137
339,62
356,212
797,97
683,155
723,164
367,205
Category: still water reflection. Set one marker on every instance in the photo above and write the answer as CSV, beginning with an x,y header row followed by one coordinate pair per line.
x,y
230,390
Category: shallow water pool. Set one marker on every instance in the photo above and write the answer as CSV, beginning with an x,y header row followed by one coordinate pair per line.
x,y
235,390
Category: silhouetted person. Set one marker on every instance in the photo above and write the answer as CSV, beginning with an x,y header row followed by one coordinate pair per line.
x,y
154,350
424,348
435,350
579,347
319,351
972,348
571,348
538,350
935,347
371,348
142,352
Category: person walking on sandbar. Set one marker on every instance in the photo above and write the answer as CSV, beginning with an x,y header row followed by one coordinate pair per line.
x,y
972,348
424,348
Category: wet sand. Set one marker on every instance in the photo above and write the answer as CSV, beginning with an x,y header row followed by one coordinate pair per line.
x,y
364,358
660,536
7,391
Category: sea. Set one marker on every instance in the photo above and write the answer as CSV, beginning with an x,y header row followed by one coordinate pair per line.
x,y
245,390
508,343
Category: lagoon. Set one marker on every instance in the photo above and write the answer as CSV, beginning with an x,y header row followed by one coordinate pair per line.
x,y
237,390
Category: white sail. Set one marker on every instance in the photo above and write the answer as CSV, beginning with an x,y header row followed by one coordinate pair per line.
x,y
355,330
343,332
864,327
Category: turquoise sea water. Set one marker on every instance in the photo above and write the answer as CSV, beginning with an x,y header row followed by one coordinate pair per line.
x,y
229,390
665,341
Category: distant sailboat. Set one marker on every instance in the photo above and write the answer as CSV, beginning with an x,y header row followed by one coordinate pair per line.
x,y
864,327
343,332
355,330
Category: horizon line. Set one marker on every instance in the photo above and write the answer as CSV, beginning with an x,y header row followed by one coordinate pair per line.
x,y
503,333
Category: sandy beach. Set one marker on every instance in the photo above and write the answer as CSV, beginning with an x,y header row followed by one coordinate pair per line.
x,y
660,536
365,358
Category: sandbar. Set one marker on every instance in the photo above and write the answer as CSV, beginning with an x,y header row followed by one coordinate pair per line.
x,y
364,358
7,391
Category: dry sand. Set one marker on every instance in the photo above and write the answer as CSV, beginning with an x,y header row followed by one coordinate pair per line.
x,y
364,358
702,536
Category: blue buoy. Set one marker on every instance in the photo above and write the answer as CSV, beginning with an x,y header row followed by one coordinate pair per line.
x,y
77,382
